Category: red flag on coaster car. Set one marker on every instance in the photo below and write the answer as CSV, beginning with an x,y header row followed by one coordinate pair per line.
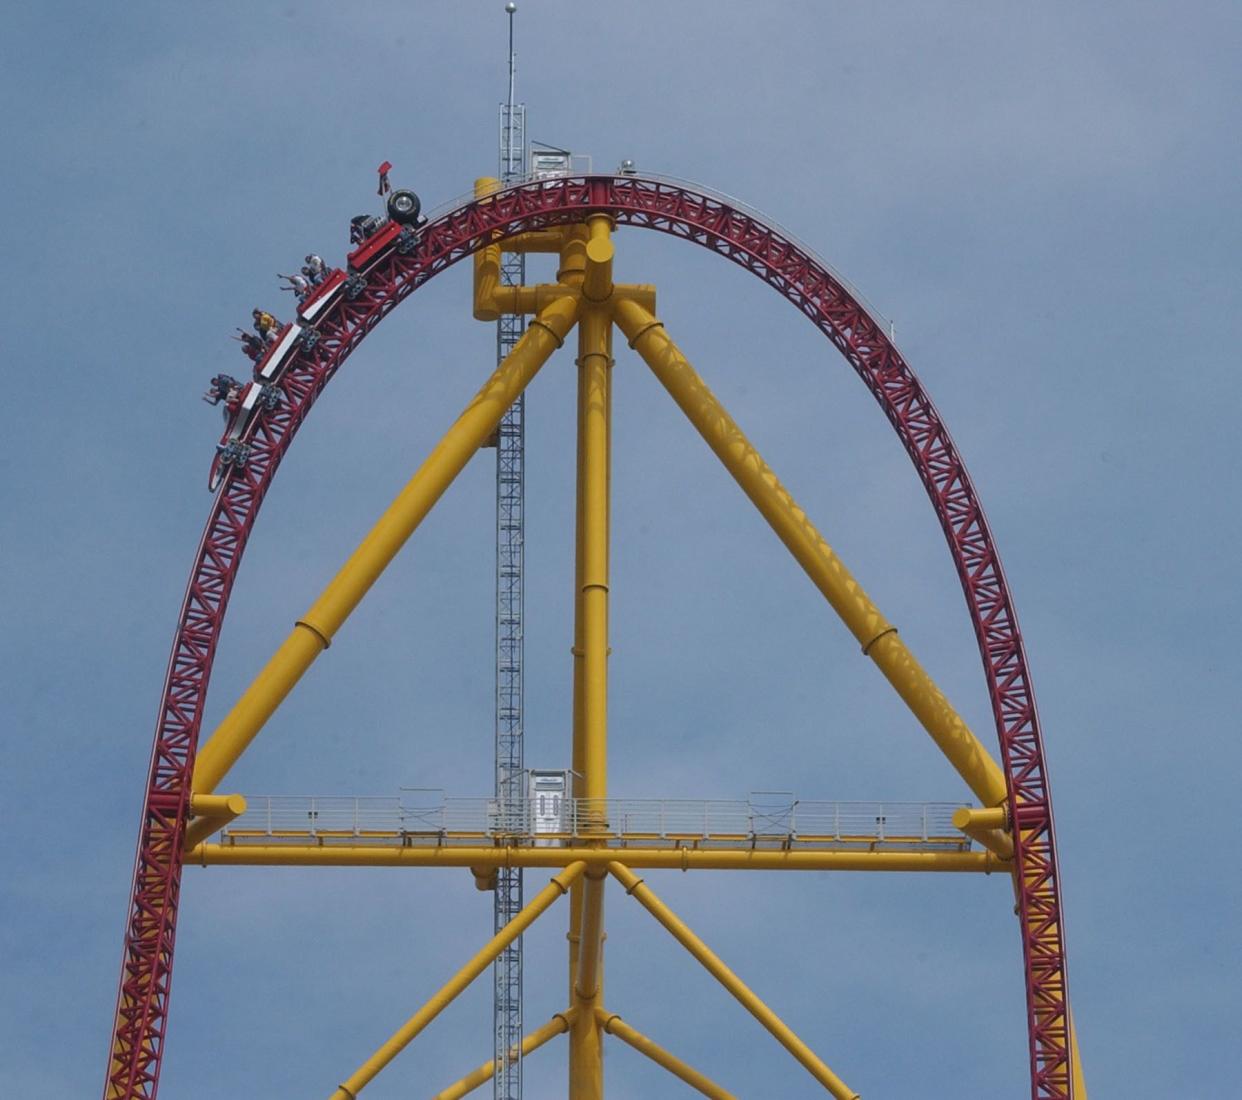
x,y
384,186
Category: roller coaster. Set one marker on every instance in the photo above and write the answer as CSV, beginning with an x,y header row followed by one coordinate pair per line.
x,y
575,217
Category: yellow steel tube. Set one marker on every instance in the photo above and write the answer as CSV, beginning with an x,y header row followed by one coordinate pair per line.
x,y
879,639
524,299
586,1053
591,950
614,1025
1080,1081
444,996
486,264
994,840
217,805
573,257
266,692
537,240
574,936
579,646
594,368
992,817
987,826
211,812
642,294
558,1025
636,888
674,859
597,279
494,300
315,630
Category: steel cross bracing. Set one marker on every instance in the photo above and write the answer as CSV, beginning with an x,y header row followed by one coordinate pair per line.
x,y
510,552
746,239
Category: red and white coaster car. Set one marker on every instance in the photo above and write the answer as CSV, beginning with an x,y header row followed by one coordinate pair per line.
x,y
322,298
233,450
401,230
283,351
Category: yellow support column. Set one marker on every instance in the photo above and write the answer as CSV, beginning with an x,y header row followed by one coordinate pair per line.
x,y
637,889
486,263
366,1073
586,1066
877,636
594,369
314,632
571,270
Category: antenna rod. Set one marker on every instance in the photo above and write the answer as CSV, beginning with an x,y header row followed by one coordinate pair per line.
x,y
511,8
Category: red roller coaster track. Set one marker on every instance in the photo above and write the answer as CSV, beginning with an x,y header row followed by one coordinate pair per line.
x,y
142,1003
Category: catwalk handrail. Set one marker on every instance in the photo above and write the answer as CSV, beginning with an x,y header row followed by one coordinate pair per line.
x,y
657,819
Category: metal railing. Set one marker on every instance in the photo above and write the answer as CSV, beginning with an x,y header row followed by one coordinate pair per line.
x,y
764,822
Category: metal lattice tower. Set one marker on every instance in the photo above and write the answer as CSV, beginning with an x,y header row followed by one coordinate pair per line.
x,y
510,530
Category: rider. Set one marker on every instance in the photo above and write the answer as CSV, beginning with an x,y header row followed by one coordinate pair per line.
x,y
226,388
299,284
252,346
265,325
315,270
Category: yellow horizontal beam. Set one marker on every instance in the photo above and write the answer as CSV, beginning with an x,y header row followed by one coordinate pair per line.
x,y
558,1025
990,827
217,805
990,817
689,838
536,240
614,1025
676,859
211,813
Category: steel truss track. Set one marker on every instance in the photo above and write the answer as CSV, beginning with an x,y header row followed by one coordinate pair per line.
x,y
746,239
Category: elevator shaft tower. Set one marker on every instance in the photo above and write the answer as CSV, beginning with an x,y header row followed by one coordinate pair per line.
x,y
510,551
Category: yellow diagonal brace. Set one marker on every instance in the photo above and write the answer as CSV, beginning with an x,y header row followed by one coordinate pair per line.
x,y
614,1025
314,631
637,889
365,1073
1080,1080
558,1025
877,636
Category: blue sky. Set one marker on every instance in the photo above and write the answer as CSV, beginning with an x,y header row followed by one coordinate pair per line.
x,y
1043,200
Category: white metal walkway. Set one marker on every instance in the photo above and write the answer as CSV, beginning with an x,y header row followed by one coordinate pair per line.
x,y
423,819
